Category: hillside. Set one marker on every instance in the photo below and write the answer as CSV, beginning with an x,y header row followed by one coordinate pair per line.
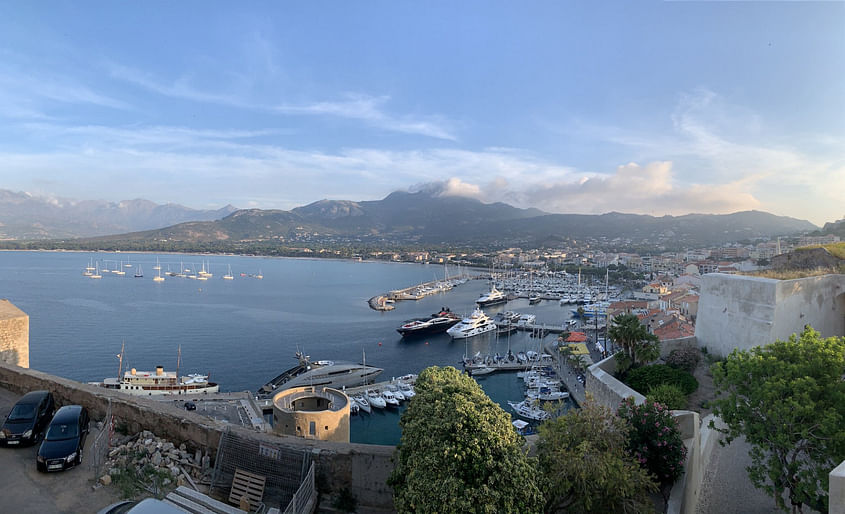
x,y
427,218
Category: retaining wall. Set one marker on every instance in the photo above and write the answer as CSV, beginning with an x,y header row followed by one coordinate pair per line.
x,y
361,468
605,389
14,335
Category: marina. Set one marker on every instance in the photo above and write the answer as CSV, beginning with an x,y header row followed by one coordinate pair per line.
x,y
243,333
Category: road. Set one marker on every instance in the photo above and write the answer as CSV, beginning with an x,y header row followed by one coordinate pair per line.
x,y
24,489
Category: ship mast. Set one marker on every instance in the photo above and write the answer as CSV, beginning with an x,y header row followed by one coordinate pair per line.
x,y
178,362
120,362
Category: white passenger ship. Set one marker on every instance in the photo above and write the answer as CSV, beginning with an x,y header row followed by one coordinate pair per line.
x,y
158,382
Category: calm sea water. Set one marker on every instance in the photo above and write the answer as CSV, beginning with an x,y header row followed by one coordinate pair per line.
x,y
243,331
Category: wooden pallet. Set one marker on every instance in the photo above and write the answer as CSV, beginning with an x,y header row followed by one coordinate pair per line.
x,y
247,484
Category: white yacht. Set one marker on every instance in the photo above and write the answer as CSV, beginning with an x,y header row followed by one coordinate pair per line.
x,y
375,399
320,374
477,323
530,410
494,297
159,382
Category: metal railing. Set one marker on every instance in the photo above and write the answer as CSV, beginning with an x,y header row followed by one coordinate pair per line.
x,y
305,497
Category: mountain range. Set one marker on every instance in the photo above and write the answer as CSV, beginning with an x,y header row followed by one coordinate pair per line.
x,y
26,216
427,217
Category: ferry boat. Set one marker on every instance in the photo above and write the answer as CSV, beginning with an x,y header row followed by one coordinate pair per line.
x,y
320,374
158,382
494,297
477,323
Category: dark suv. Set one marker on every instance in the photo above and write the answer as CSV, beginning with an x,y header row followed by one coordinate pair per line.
x,y
28,419
65,438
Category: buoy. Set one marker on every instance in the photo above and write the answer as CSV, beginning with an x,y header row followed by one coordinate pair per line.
x,y
379,344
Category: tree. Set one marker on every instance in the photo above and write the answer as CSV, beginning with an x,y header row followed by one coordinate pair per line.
x,y
638,345
585,465
459,452
655,441
788,400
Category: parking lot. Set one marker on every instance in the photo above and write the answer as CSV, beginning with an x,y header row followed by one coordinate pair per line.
x,y
24,489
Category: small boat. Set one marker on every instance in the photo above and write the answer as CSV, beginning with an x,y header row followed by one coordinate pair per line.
x,y
389,398
119,271
397,392
407,390
362,402
139,273
375,399
96,272
546,393
158,278
354,408
228,275
259,276
483,370
533,299
530,410
158,265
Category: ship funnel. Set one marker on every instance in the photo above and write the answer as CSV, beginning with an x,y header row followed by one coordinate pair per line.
x,y
159,371
133,372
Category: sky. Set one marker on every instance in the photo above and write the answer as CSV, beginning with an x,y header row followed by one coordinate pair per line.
x,y
568,106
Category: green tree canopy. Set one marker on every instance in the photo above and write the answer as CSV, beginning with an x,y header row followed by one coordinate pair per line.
x,y
788,400
459,452
585,465
637,343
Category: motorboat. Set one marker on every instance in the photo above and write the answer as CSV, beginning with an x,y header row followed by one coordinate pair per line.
x,y
363,403
407,390
396,392
389,398
475,324
526,320
483,370
530,410
533,299
376,399
322,373
494,297
546,393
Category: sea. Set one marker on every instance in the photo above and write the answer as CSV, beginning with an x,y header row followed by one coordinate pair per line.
x,y
245,331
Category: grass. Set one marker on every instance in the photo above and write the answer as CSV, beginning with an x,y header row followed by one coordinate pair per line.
x,y
835,249
796,273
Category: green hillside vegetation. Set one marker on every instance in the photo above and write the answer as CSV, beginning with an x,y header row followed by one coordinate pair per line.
x,y
835,249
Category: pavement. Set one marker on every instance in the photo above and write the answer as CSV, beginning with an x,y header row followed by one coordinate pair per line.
x,y
726,488
25,489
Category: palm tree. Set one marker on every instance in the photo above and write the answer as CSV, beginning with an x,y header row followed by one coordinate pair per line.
x,y
637,343
580,316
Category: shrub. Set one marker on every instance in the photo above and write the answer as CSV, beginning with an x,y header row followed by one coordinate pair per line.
x,y
655,442
644,378
684,358
669,395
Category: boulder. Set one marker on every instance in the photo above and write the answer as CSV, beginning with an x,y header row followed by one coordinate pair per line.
x,y
105,479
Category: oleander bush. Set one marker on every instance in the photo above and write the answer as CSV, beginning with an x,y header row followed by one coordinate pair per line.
x,y
643,379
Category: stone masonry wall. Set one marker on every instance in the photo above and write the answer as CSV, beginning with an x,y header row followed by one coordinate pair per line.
x,y
363,469
14,335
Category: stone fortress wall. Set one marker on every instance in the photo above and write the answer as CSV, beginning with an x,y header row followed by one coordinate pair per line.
x,y
737,311
14,335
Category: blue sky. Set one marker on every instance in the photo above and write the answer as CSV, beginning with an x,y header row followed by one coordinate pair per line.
x,y
648,107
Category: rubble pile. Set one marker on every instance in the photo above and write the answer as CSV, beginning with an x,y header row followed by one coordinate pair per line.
x,y
146,449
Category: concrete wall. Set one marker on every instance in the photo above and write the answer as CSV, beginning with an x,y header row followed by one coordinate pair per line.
x,y
607,390
670,345
14,335
361,468
837,490
737,311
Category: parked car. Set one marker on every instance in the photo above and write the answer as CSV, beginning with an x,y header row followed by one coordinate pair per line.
x,y
28,419
190,406
64,440
146,506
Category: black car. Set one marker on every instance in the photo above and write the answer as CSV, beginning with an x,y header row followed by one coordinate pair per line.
x,y
65,438
190,406
28,419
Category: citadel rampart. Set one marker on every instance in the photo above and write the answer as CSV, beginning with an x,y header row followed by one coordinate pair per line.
x,y
14,335
737,311
363,469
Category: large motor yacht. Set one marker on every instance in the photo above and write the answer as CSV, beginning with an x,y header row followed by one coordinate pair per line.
x,y
320,374
494,297
158,382
436,324
477,323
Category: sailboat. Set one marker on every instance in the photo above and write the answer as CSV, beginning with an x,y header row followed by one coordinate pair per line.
x,y
139,272
97,272
205,273
158,278
158,265
89,270
119,271
259,276
228,275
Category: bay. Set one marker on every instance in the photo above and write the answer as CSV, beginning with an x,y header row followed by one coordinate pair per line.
x,y
243,332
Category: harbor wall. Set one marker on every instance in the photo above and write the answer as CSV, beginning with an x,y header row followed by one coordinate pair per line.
x,y
14,335
362,469
605,389
738,311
